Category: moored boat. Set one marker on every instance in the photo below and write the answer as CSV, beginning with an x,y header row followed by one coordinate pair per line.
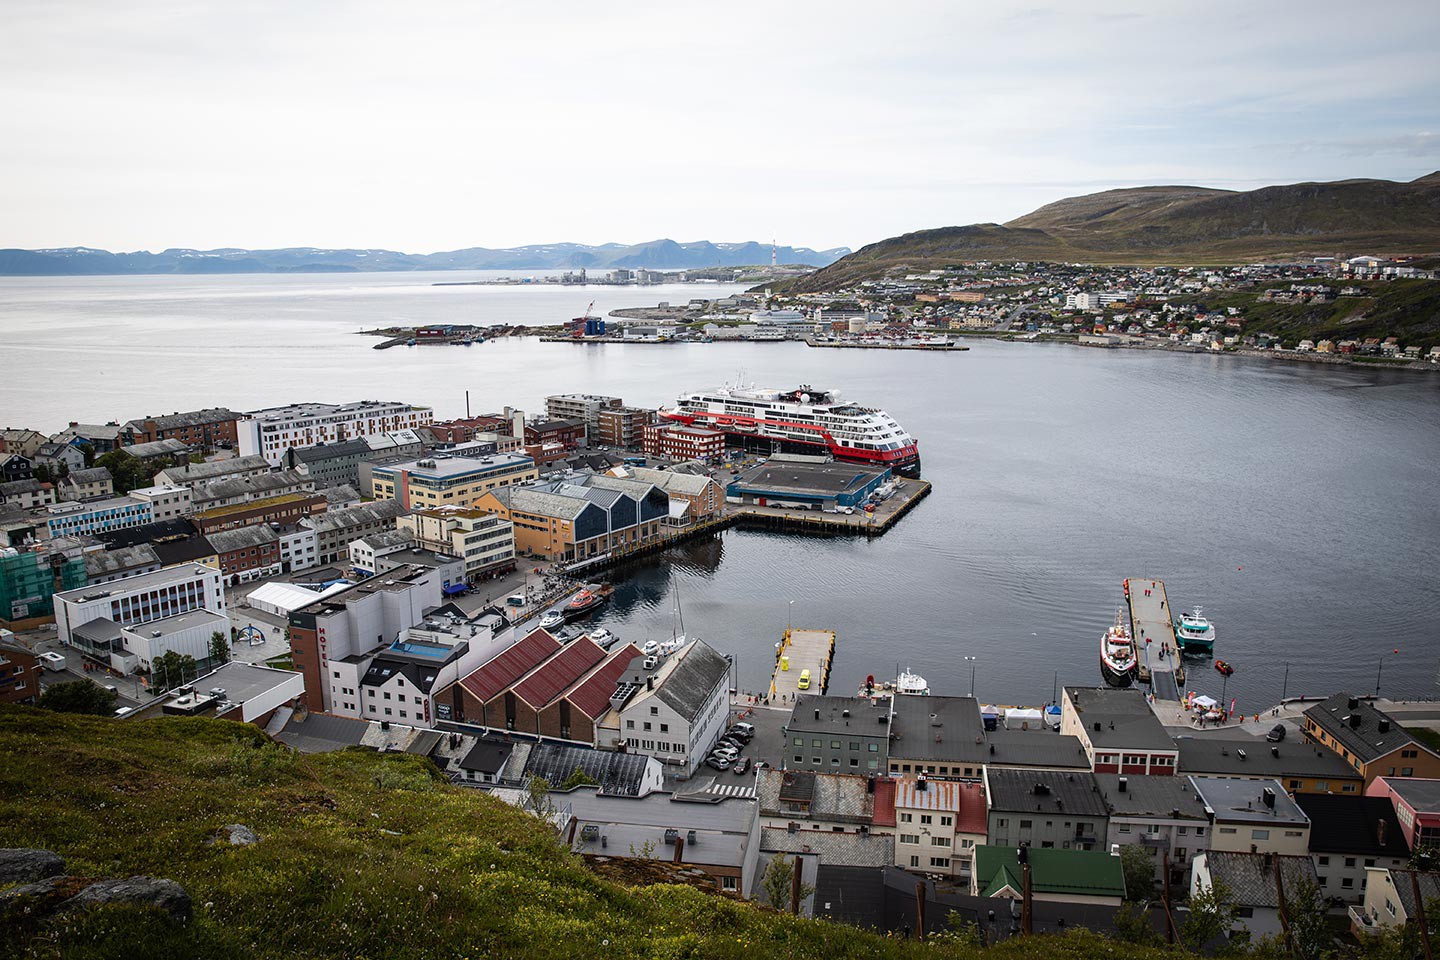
x,y
1194,633
1119,662
590,596
804,420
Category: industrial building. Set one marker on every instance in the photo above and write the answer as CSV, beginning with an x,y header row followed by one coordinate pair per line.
x,y
808,486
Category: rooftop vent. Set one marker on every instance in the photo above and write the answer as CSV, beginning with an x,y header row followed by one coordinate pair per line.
x,y
1124,782
1240,754
1268,796
1383,726
1352,703
1042,789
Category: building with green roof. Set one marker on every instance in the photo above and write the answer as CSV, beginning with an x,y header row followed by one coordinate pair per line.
x,y
1056,875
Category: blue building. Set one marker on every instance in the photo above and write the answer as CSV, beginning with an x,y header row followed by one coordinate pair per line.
x,y
814,486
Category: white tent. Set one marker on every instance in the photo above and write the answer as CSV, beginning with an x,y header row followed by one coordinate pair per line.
x,y
1015,717
1204,702
281,598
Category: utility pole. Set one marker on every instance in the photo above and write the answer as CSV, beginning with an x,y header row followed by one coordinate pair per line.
x,y
1285,686
1420,914
1284,911
1027,914
1171,934
920,910
795,889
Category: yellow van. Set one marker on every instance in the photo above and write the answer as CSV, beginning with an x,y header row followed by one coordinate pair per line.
x,y
804,683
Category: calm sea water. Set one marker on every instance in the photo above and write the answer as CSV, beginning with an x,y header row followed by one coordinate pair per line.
x,y
1298,504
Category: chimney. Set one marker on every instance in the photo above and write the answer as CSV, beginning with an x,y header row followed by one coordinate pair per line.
x,y
1354,719
920,784
817,713
1384,725
1274,751
1352,703
1269,861
1380,831
1268,797
1123,783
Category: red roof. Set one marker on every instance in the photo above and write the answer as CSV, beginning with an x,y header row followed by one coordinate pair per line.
x,y
966,800
884,812
492,678
551,678
591,696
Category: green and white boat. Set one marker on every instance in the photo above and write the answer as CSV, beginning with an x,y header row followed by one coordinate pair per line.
x,y
1195,634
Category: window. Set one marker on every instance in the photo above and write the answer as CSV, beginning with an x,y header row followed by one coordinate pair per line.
x,y
909,838
727,883
834,744
1024,824
939,841
388,711
629,724
926,819
906,817
1259,834
1292,833
873,748
1347,882
855,745
1369,861
647,724
1002,823
654,711
1349,862
1227,829
664,728
799,741
799,758
915,862
1324,861
946,821
816,743
940,861
402,715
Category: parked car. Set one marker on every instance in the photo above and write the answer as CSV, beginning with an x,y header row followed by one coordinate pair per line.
x,y
717,763
739,736
726,751
742,765
728,740
743,729
1276,734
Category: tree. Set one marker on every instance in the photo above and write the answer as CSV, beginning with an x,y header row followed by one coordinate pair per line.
x,y
1306,909
1211,915
777,881
41,473
169,671
577,779
1132,924
78,696
1138,867
127,471
219,648
537,797
87,450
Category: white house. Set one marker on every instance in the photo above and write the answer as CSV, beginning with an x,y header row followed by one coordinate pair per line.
x,y
674,708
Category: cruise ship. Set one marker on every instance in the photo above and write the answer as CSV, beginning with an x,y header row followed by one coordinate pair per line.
x,y
803,420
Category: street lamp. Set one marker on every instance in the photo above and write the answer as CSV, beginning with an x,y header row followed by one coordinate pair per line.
x,y
1378,665
972,675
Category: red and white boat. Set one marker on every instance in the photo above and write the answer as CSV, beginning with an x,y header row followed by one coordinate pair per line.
x,y
804,420
1119,662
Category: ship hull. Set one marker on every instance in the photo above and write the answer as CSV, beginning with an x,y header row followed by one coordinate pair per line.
x,y
751,434
1115,676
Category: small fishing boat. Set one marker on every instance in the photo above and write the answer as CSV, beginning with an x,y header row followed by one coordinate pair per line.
x,y
1119,663
590,596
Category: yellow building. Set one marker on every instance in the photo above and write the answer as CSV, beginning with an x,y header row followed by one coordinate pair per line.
x,y
438,480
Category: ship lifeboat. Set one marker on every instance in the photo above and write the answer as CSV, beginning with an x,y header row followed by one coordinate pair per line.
x,y
1224,668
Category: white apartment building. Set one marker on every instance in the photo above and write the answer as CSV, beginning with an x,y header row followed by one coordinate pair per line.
x,y
672,709
299,548
938,823
485,541
93,618
167,501
269,433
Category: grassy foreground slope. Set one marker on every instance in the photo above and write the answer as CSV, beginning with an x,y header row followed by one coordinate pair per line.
x,y
361,855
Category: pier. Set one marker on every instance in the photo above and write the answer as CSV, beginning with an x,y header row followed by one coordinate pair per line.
x,y
798,651
1154,633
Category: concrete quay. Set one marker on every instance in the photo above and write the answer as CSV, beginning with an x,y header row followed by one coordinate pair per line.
x,y
799,651
1154,633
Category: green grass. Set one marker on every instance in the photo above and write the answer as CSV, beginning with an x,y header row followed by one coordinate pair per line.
x,y
1431,738
362,856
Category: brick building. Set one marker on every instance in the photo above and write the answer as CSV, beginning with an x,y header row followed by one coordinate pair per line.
x,y
676,442
283,509
201,429
19,674
623,427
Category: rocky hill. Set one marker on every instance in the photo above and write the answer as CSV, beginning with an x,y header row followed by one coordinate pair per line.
x,y
1173,225
652,255
190,837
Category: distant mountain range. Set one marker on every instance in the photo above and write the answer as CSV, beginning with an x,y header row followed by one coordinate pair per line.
x,y
655,255
1172,225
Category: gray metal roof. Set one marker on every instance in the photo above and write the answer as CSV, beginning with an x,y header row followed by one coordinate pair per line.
x,y
357,516
1034,748
1358,728
156,448
619,774
192,418
932,729
104,563
1292,758
1423,795
1146,796
690,682
1044,791
1232,800
1249,878
188,473
1118,719
260,485
318,733
849,715
87,475
1346,823
243,681
330,451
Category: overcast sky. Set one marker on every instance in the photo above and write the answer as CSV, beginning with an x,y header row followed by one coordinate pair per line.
x,y
428,126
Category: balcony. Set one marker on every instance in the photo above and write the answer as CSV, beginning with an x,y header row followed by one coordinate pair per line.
x,y
1155,841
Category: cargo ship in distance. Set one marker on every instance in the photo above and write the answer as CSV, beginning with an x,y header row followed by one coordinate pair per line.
x,y
804,420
